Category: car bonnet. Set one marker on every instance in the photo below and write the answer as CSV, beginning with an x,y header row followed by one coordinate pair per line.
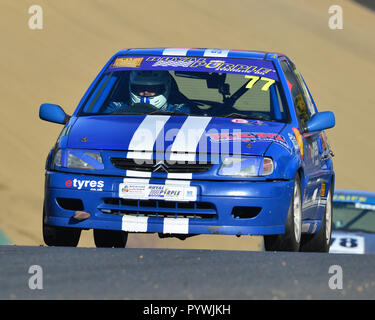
x,y
186,134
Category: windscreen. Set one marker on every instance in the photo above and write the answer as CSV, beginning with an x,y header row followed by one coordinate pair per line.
x,y
202,86
354,217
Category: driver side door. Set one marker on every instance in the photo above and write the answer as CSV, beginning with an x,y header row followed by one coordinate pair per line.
x,y
305,109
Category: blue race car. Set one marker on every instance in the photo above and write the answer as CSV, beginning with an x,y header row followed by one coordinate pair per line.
x,y
181,142
353,222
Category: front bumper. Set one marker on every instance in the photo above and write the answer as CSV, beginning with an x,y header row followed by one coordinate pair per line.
x,y
221,207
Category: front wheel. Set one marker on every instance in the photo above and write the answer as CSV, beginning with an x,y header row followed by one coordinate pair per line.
x,y
320,241
60,236
110,238
290,240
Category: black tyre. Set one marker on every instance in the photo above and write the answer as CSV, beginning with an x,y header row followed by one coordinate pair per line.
x,y
110,238
320,241
60,236
290,240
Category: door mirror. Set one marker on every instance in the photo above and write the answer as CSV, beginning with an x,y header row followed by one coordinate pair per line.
x,y
53,113
320,121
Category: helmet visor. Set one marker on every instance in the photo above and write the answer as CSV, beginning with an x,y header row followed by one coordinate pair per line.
x,y
147,90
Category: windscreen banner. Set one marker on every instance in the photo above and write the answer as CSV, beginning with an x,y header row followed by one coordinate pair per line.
x,y
250,67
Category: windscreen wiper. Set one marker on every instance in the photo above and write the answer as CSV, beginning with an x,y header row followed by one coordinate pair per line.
x,y
243,116
171,113
125,113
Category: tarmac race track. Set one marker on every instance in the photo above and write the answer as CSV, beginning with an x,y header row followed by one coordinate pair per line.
x,y
174,274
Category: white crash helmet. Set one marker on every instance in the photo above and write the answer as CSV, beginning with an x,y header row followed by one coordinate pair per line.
x,y
157,81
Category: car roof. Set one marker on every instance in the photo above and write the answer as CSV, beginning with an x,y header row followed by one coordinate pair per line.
x,y
202,52
353,196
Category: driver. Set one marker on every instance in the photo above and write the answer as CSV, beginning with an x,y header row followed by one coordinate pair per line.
x,y
151,87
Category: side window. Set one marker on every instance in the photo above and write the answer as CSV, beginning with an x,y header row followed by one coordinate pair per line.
x,y
310,104
297,93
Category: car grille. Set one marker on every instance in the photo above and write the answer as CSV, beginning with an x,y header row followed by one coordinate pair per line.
x,y
159,208
160,166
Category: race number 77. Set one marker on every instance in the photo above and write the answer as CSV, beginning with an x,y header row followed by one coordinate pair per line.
x,y
255,79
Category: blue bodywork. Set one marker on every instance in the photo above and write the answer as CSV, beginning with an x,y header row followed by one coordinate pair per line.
x,y
216,208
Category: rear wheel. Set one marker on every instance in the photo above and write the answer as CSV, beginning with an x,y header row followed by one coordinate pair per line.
x,y
320,241
290,240
110,238
60,236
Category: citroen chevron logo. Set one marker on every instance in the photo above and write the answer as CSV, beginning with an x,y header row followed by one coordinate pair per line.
x,y
160,167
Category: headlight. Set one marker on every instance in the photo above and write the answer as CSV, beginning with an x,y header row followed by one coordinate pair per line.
x,y
246,167
57,158
78,159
